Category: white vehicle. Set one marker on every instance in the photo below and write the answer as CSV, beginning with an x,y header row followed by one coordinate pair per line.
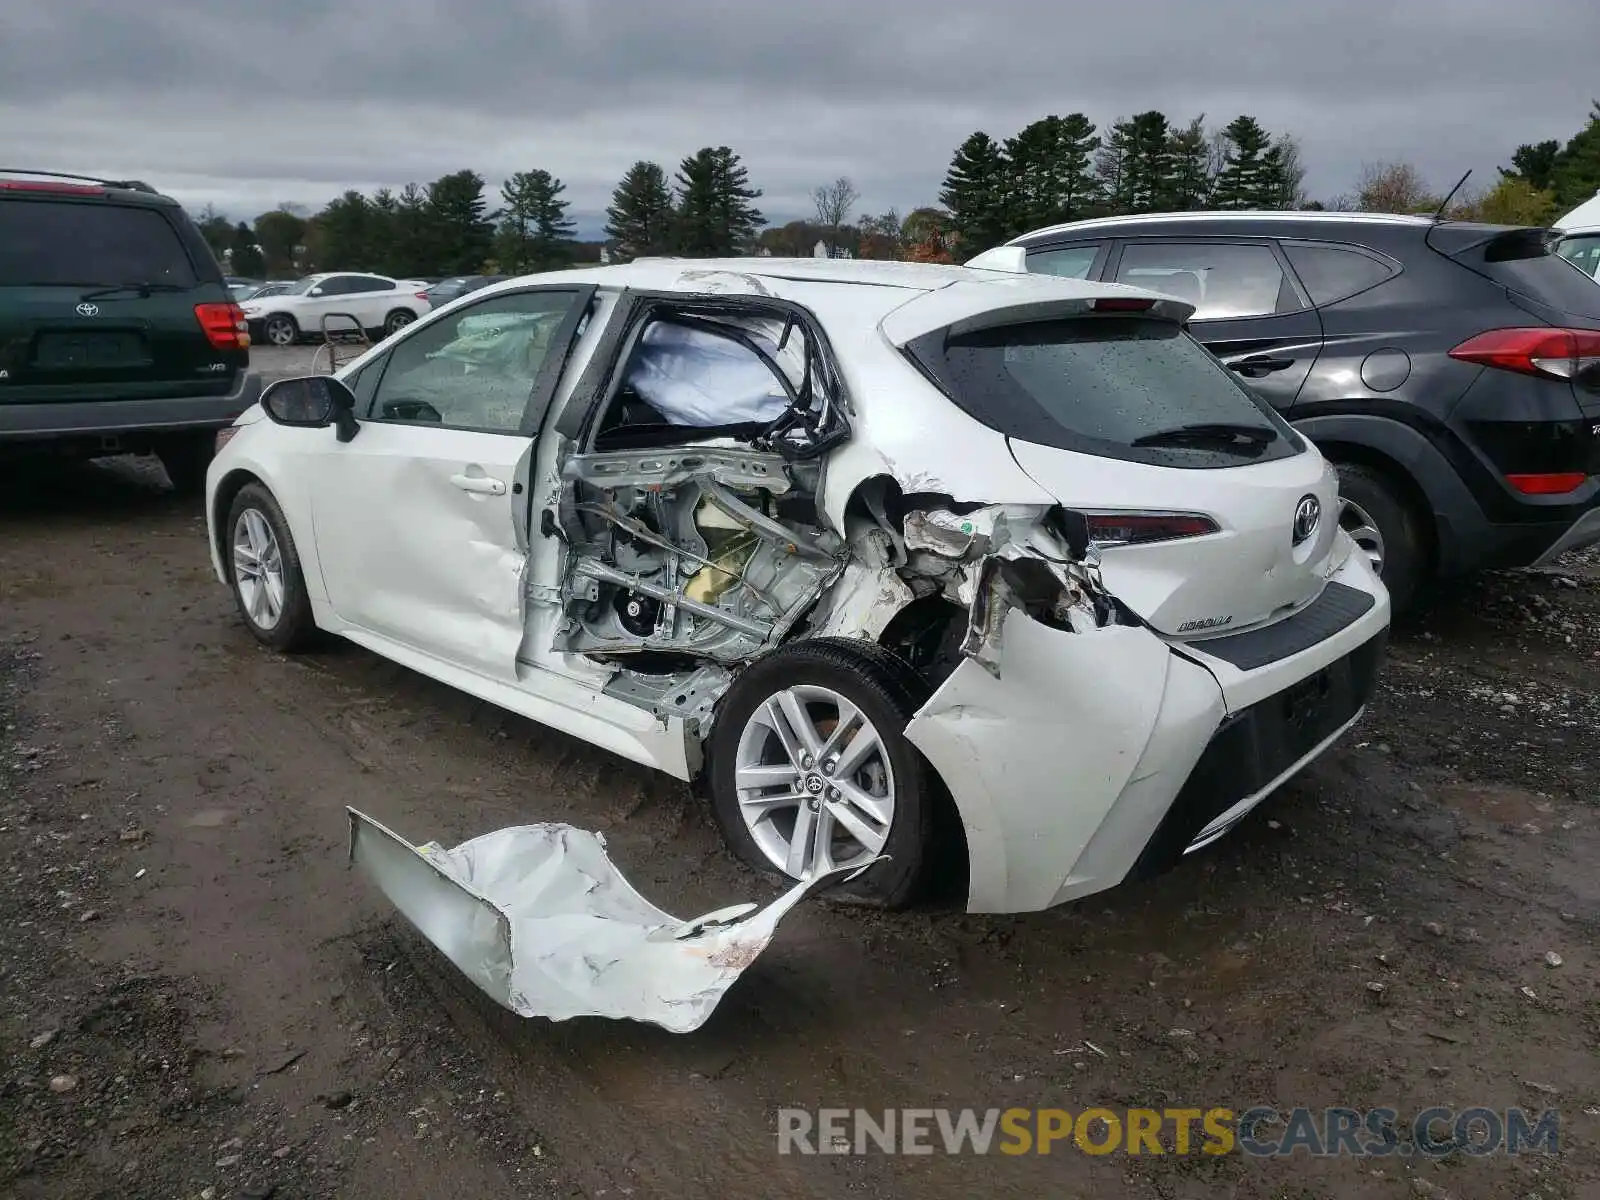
x,y
893,559
382,306
1579,240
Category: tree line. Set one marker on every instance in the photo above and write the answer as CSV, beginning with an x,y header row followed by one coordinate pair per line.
x,y
1057,169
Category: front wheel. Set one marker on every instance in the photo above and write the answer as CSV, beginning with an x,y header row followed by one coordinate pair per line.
x,y
281,330
811,771
264,571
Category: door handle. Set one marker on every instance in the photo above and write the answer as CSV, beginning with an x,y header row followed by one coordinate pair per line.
x,y
481,484
1257,365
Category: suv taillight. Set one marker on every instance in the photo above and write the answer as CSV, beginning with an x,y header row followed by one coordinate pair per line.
x,y
1137,528
224,325
1544,351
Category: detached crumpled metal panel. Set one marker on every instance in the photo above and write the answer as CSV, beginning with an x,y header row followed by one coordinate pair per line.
x,y
540,919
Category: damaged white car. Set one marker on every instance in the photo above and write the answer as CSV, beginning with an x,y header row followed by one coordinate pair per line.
x,y
905,563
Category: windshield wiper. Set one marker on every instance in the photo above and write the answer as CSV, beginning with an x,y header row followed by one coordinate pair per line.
x,y
1210,433
144,290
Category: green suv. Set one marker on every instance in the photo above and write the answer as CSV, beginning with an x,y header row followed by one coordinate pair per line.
x,y
117,333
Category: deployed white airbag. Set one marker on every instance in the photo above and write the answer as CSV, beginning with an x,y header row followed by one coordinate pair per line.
x,y
540,919
696,378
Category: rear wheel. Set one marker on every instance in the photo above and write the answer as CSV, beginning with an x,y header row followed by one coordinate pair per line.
x,y
264,571
397,320
1379,518
281,330
810,768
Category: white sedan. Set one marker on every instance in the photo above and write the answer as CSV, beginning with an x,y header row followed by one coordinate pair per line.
x,y
336,302
906,564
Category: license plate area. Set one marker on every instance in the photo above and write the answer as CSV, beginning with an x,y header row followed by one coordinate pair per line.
x,y
89,351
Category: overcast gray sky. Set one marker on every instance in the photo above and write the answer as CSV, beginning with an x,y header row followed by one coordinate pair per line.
x,y
299,99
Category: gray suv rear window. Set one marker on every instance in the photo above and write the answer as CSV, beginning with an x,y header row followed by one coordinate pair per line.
x,y
1100,385
52,243
1332,273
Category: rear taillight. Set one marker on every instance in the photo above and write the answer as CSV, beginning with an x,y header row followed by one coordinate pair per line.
x,y
224,325
1137,528
1551,353
421,295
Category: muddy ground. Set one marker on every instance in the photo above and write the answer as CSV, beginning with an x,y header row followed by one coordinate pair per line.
x,y
198,999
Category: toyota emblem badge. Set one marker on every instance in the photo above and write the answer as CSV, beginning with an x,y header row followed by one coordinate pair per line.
x,y
1307,516
88,310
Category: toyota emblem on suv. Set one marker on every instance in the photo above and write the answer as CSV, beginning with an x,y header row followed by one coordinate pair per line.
x,y
1307,515
88,310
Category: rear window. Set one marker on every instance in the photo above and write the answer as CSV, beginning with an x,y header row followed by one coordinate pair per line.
x,y
1107,386
68,244
1522,261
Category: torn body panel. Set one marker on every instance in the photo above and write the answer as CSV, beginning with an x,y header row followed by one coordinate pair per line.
x,y
541,920
1054,741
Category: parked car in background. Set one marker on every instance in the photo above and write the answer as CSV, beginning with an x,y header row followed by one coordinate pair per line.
x,y
1578,237
380,304
240,287
1451,371
117,332
276,287
446,290
838,539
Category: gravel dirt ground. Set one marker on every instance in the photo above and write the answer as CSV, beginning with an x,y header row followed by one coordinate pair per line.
x,y
198,999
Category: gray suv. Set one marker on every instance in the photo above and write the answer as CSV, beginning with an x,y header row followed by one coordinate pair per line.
x,y
1450,370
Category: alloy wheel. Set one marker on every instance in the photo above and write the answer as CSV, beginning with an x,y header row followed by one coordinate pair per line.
x,y
258,568
814,781
1363,530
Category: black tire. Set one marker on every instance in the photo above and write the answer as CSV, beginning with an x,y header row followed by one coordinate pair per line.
x,y
888,693
1406,557
281,326
185,460
295,628
397,320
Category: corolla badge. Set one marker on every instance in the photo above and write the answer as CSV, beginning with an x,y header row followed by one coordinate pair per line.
x,y
88,310
1307,516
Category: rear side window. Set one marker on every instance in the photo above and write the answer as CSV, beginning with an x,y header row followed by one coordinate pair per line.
x,y
1583,252
1222,280
1117,387
45,243
1331,273
1069,262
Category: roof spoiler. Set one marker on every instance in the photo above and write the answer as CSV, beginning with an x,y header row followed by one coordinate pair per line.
x,y
1001,258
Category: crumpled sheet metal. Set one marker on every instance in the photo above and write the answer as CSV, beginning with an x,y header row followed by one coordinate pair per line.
x,y
541,919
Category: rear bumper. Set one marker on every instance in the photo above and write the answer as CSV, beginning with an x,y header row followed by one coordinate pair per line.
x,y
1107,755
22,423
1585,531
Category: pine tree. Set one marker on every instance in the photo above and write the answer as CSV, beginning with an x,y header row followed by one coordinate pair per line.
x,y
1188,183
1535,163
714,217
1245,180
640,217
978,194
1052,178
1575,174
535,233
1111,167
461,226
1148,171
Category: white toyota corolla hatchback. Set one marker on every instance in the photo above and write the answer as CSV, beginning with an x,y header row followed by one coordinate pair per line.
x,y
922,562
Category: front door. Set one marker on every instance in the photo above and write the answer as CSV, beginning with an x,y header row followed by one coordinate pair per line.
x,y
416,516
1249,310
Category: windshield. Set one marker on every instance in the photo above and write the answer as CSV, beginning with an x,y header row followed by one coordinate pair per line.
x,y
1117,387
52,243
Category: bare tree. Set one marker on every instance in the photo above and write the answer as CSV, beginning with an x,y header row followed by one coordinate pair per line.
x,y
1394,187
835,201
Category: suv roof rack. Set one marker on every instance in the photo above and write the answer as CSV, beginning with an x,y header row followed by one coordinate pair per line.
x,y
131,185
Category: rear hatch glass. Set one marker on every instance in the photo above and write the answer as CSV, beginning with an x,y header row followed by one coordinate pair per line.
x,y
1524,263
1129,388
99,295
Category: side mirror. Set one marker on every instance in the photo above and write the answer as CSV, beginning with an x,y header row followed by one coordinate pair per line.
x,y
316,291
311,402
